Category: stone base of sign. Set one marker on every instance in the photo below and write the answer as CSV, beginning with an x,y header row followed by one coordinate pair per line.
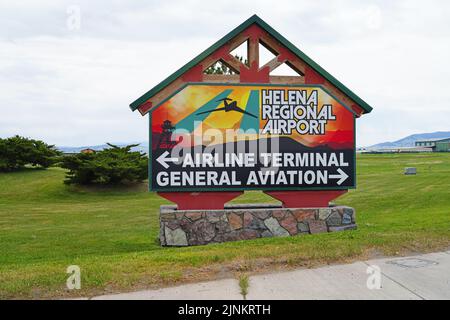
x,y
243,222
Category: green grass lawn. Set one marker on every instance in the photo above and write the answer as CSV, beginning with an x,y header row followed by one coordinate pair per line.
x,y
111,234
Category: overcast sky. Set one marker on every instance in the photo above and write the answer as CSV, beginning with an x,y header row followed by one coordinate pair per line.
x,y
70,83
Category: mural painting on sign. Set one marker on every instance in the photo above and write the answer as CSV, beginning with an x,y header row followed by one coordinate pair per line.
x,y
213,136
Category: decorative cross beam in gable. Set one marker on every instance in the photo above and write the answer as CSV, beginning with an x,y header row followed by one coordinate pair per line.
x,y
254,32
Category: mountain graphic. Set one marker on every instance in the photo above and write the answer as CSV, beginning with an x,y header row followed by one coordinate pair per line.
x,y
248,115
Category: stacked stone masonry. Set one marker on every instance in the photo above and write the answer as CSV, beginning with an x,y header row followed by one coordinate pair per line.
x,y
243,222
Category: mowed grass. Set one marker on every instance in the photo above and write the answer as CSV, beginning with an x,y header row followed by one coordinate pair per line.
x,y
111,233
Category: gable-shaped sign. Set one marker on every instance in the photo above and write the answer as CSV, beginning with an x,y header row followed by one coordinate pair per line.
x,y
235,137
249,128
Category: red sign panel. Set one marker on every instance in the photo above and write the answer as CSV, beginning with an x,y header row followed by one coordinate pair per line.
x,y
231,137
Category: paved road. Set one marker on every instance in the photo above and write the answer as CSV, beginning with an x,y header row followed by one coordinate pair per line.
x,y
418,277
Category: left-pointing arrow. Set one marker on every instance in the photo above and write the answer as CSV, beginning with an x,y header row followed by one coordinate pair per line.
x,y
342,176
164,159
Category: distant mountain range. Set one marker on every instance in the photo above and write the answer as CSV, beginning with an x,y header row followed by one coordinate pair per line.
x,y
409,141
404,142
143,147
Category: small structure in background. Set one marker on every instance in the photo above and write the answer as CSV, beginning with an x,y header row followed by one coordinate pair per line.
x,y
397,150
410,171
88,151
437,145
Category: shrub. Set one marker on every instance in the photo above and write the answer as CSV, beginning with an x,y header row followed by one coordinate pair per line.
x,y
17,152
115,165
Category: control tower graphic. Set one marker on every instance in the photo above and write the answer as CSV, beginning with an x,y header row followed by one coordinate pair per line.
x,y
165,140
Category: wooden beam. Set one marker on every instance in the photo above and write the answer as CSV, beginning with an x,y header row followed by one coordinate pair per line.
x,y
221,78
343,97
208,62
287,79
275,47
232,44
272,64
270,44
167,91
237,41
253,53
233,63
297,65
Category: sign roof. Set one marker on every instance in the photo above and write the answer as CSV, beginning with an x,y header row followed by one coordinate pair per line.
x,y
262,24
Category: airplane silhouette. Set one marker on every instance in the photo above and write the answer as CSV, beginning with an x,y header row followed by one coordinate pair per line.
x,y
229,107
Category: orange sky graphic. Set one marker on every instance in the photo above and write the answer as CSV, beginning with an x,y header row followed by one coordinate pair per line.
x,y
339,133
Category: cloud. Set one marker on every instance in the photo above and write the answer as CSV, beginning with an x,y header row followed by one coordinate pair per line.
x,y
72,86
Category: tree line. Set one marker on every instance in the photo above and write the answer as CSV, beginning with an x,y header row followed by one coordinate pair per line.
x,y
113,165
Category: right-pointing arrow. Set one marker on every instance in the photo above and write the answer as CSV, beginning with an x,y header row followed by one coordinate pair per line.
x,y
342,176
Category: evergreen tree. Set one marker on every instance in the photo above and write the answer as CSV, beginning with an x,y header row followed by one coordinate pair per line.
x,y
17,152
115,165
